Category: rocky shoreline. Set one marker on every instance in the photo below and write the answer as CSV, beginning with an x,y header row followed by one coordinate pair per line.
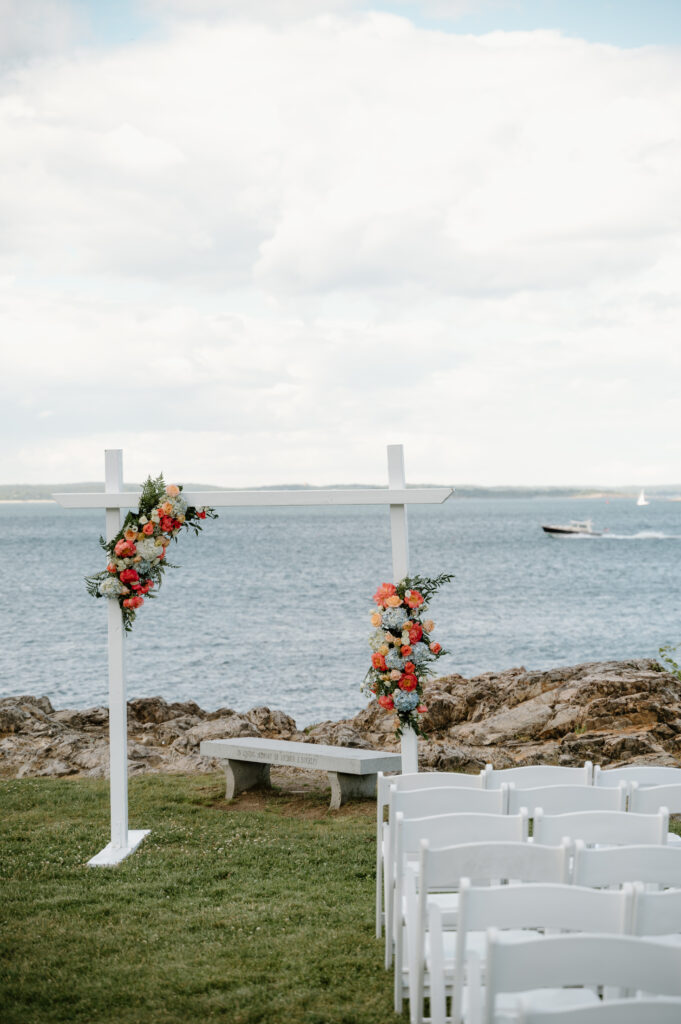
x,y
608,712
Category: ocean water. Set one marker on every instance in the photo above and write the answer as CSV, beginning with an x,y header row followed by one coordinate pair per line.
x,y
271,606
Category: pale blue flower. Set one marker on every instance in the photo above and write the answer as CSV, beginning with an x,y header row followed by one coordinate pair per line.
x,y
420,654
394,618
406,701
393,659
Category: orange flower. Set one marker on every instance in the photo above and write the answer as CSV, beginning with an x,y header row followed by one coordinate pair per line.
x,y
409,667
408,682
406,650
131,535
394,601
172,490
378,661
376,619
166,507
436,648
385,590
148,528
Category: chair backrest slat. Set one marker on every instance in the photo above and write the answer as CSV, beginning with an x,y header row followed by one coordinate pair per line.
x,y
617,828
555,906
657,865
649,799
539,775
424,803
445,830
563,799
442,869
643,774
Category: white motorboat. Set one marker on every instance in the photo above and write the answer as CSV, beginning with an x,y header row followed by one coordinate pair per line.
x,y
642,500
575,527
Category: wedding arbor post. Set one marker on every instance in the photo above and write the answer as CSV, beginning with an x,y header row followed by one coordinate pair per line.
x,y
114,499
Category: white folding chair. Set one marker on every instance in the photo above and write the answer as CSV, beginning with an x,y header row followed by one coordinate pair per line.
x,y
653,865
616,1011
408,781
426,803
566,799
445,831
539,775
557,961
440,873
523,908
643,774
657,913
605,828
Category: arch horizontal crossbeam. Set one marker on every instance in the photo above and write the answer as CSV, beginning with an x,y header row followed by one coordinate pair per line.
x,y
224,499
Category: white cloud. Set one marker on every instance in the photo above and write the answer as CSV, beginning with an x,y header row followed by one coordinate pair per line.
x,y
272,250
35,28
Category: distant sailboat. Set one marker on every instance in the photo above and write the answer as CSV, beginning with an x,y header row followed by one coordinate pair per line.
x,y
642,500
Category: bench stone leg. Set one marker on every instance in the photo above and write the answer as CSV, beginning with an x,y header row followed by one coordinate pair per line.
x,y
241,775
344,787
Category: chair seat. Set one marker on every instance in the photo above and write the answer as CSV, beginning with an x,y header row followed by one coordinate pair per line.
x,y
509,1007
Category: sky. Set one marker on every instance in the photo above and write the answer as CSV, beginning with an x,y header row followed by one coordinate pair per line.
x,y
255,241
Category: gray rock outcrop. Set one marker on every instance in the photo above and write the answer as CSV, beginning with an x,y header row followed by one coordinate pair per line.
x,y
607,712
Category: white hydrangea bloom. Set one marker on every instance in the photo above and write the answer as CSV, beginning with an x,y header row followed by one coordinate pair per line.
x,y
111,587
148,549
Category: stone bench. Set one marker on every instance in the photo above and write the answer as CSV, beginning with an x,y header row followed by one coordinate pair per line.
x,y
352,771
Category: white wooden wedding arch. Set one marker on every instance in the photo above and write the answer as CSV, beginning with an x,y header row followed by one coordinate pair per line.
x,y
114,499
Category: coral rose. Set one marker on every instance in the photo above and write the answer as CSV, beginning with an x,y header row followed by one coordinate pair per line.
x,y
413,599
384,591
436,648
386,701
393,602
172,490
422,709
415,633
129,576
148,528
409,667
408,683
124,549
406,650
111,567
376,619
378,661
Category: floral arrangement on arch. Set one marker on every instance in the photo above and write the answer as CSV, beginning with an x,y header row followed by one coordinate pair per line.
x,y
403,650
137,552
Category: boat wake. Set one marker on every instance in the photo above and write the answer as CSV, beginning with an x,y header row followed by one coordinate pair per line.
x,y
642,535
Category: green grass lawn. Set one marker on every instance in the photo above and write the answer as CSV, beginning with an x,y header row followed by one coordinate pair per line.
x,y
259,910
